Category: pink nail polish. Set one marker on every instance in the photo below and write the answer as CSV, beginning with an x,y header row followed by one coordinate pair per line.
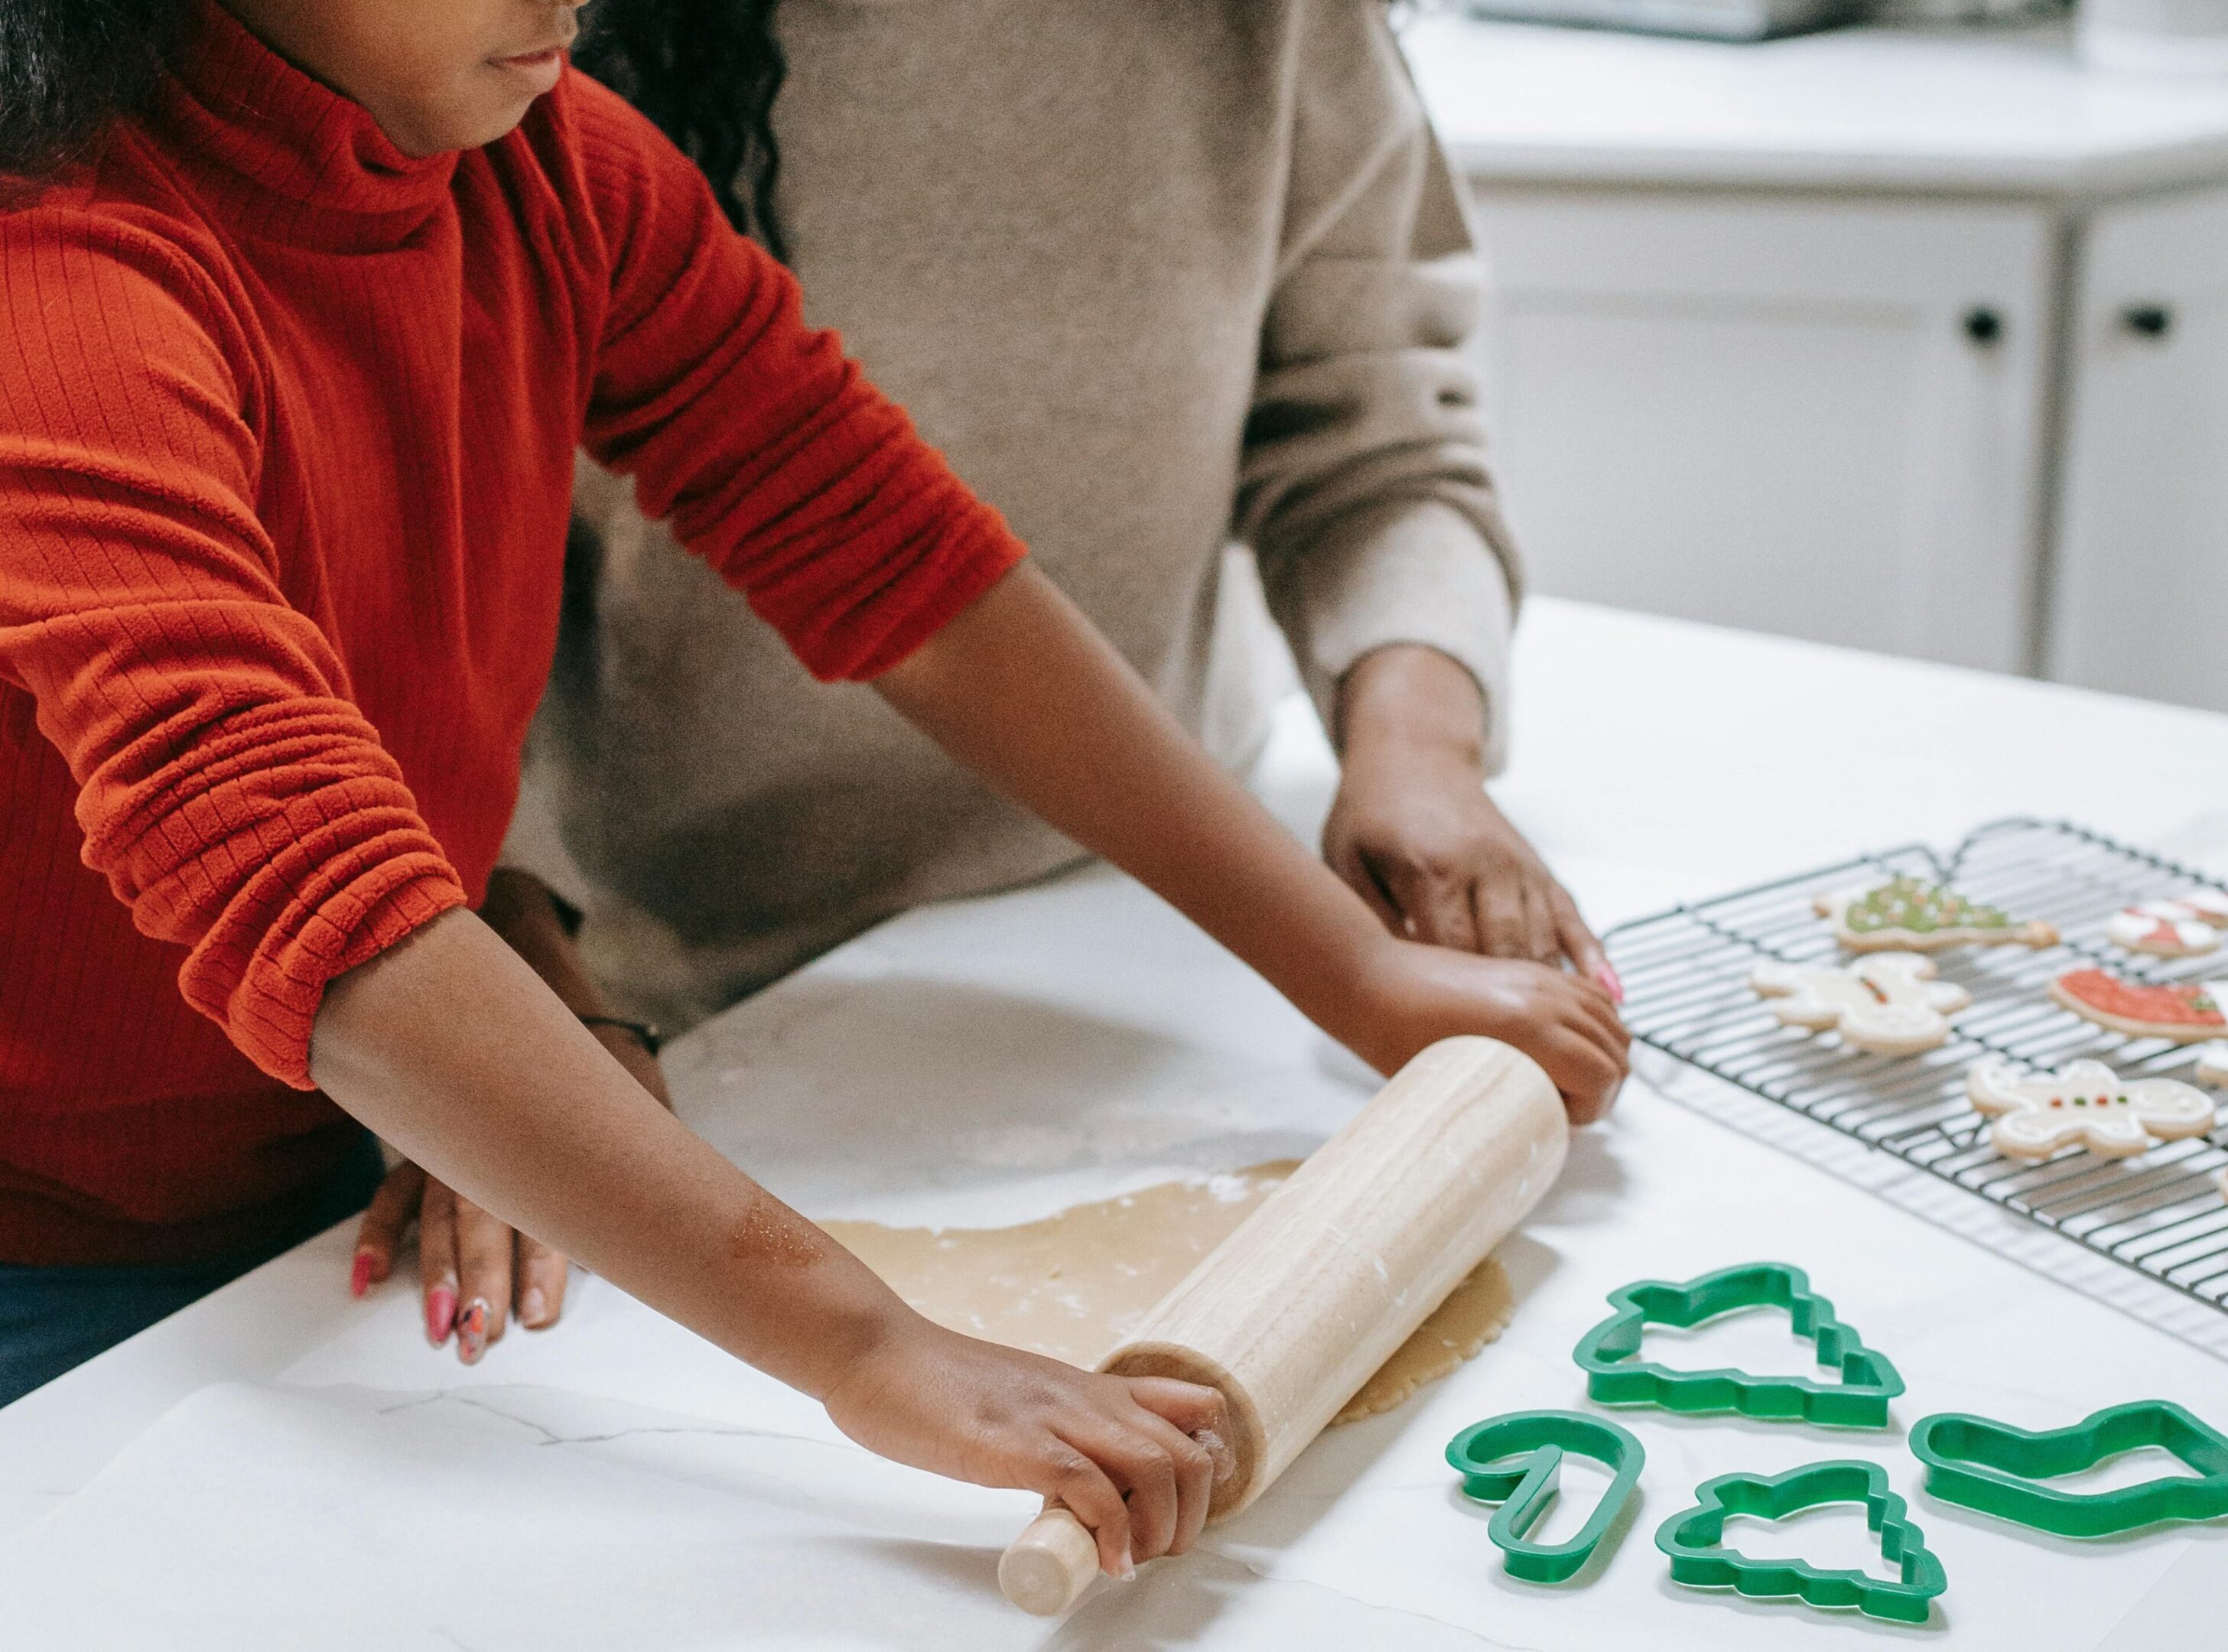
x,y
359,1274
440,1314
1611,983
471,1330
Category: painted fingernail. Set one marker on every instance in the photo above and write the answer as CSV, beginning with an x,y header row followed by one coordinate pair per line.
x,y
1611,983
440,1314
359,1274
533,1307
471,1330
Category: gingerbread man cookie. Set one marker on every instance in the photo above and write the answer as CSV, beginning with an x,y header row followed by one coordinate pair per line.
x,y
2171,929
2087,1103
2186,1012
1888,1003
1908,914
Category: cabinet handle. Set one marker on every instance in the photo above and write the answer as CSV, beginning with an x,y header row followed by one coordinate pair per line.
x,y
1984,325
2148,320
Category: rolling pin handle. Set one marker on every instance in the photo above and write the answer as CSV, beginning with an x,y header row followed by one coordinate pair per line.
x,y
1050,1565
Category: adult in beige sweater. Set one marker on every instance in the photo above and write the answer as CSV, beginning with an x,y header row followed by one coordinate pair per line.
x,y
1158,277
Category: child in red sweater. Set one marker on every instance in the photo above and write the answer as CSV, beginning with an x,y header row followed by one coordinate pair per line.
x,y
295,289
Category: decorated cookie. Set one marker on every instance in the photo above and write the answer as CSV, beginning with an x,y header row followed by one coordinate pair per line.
x,y
1910,915
2212,1064
2086,1103
2171,929
2186,1012
1888,1003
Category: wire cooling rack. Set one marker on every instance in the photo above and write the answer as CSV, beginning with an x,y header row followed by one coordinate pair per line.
x,y
1685,975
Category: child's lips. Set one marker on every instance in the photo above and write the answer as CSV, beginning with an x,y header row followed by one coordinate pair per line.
x,y
541,67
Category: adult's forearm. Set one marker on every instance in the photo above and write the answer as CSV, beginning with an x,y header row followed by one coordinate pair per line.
x,y
450,1048
1023,689
1409,694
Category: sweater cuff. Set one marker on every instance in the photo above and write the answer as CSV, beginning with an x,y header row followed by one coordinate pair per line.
x,y
1413,571
344,873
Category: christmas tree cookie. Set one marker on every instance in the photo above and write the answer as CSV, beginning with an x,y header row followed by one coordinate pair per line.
x,y
1908,915
2186,1012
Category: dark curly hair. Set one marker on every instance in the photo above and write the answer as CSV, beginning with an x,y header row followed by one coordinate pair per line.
x,y
68,68
706,71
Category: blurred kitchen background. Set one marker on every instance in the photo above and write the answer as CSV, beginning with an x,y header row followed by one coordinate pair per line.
x,y
1906,330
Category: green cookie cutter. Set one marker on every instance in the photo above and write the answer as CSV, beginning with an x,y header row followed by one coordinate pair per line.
x,y
1617,1376
1992,1467
1523,1488
1693,1538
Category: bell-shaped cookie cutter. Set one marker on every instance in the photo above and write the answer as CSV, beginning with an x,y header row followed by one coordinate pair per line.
x,y
1981,1463
1694,1538
1616,1375
1539,1440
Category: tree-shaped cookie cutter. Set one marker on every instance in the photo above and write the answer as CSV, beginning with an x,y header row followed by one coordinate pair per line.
x,y
1539,1440
1694,1540
1616,1375
1995,1468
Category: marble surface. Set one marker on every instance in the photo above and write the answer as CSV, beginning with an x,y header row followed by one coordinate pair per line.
x,y
2001,110
617,1483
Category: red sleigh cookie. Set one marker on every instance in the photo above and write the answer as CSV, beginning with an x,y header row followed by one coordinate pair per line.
x,y
2188,1012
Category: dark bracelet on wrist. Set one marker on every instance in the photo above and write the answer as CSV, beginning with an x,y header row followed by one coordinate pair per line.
x,y
648,1036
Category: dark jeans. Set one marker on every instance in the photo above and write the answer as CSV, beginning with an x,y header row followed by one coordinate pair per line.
x,y
52,1319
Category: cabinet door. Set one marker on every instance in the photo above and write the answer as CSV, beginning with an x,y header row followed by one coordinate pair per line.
x,y
1818,417
2141,597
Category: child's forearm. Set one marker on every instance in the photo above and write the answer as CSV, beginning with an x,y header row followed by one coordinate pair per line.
x,y
450,1048
1024,691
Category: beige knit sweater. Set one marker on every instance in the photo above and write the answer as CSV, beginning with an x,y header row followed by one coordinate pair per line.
x,y
1157,276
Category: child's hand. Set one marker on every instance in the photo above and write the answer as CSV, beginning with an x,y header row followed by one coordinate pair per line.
x,y
1412,995
1119,1451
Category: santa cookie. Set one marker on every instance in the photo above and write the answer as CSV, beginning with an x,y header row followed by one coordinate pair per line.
x,y
2171,929
2088,1104
2187,1012
1910,915
1889,1003
2212,1064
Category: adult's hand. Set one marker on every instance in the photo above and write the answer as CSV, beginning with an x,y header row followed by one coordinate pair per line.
x,y
1414,832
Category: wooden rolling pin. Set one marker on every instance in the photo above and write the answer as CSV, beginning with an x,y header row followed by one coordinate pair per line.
x,y
1293,1312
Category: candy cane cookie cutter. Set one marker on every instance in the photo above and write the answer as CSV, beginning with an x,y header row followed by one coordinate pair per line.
x,y
1694,1540
1538,1441
1616,1375
1978,1463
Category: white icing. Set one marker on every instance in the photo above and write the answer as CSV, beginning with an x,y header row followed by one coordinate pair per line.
x,y
1889,1002
2170,928
2087,1103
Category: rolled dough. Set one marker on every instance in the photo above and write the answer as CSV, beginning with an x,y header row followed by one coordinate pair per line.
x,y
1074,1285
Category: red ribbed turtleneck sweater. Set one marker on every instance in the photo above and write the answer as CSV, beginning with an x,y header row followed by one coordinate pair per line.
x,y
286,429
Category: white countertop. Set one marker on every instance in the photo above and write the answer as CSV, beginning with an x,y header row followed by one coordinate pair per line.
x,y
616,1483
2000,110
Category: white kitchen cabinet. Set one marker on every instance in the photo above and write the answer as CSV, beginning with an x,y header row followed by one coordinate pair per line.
x,y
2142,587
1728,373
1822,419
